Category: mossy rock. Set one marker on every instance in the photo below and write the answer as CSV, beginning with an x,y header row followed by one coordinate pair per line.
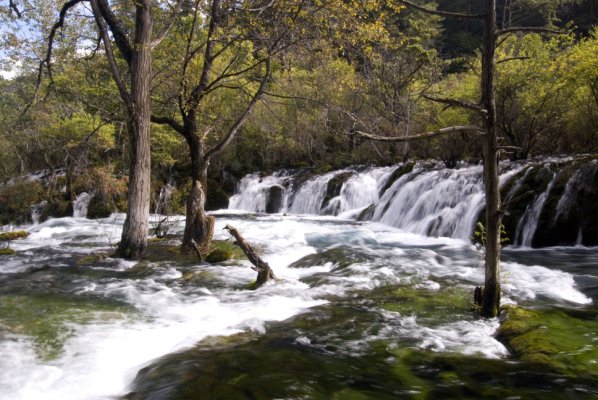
x,y
558,340
222,250
13,235
7,252
91,259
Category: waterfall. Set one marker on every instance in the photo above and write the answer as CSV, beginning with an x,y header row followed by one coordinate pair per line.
x,y
524,234
253,193
81,204
437,203
427,199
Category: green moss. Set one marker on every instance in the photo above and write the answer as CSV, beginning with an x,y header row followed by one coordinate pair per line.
x,y
16,201
554,339
7,252
222,250
91,259
435,305
49,320
13,235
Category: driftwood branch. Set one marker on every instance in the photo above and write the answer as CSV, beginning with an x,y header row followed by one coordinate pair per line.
x,y
264,272
441,13
457,103
443,131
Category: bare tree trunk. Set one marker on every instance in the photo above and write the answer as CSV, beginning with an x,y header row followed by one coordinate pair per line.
x,y
134,236
491,294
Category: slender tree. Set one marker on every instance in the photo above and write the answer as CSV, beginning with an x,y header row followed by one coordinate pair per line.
x,y
135,48
221,46
486,110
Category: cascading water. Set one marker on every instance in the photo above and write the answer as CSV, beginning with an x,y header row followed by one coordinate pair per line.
x,y
36,211
81,205
430,200
528,223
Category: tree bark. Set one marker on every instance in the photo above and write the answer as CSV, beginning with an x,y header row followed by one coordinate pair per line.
x,y
135,229
491,295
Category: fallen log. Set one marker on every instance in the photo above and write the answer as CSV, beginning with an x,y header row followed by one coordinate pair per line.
x,y
264,272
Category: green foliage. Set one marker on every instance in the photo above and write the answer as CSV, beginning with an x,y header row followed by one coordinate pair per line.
x,y
16,200
479,235
13,235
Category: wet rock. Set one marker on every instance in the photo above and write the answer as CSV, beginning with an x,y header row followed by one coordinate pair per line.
x,y
275,199
334,187
216,198
367,214
397,173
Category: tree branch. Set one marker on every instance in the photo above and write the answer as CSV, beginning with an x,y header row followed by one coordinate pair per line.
x,y
171,20
241,121
512,59
443,131
118,31
122,89
501,32
441,13
47,61
156,119
13,6
457,103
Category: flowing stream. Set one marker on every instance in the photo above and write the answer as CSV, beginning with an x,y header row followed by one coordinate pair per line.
x,y
363,310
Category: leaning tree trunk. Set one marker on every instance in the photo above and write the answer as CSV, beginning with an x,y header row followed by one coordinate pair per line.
x,y
491,295
135,229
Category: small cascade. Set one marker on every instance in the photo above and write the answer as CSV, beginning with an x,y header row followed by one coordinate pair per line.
x,y
528,224
431,200
36,211
310,195
441,202
81,204
257,194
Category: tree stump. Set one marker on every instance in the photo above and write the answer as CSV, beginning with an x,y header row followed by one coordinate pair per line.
x,y
264,272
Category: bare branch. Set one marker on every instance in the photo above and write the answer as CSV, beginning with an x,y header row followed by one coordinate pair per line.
x,y
528,29
427,135
441,13
457,103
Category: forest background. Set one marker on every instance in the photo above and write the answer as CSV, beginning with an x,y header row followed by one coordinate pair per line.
x,y
348,66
